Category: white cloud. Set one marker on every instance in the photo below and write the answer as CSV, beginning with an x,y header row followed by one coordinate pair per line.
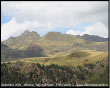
x,y
74,32
95,29
50,15
12,28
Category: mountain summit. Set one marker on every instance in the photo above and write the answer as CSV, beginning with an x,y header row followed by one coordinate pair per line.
x,y
25,37
57,36
27,32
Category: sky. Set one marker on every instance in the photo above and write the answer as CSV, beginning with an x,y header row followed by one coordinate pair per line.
x,y
67,17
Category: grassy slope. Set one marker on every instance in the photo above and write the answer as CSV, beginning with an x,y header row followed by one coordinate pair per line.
x,y
59,48
92,57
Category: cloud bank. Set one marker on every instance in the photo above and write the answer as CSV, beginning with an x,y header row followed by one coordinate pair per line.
x,y
46,16
95,29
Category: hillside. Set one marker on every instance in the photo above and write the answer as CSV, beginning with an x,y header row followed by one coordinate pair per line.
x,y
73,59
54,58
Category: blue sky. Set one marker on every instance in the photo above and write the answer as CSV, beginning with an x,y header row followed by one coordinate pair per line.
x,y
76,27
5,19
64,30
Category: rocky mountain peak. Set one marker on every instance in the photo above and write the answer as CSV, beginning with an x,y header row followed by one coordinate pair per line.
x,y
26,32
23,38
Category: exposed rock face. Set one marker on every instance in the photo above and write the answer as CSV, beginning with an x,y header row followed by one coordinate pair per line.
x,y
27,32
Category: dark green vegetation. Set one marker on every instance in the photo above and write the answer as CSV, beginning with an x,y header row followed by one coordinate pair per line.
x,y
20,72
26,72
102,78
54,58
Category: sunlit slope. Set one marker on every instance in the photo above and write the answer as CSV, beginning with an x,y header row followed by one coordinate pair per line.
x,y
73,59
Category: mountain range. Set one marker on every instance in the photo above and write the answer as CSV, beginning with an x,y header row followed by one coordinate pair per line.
x,y
30,44
28,36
